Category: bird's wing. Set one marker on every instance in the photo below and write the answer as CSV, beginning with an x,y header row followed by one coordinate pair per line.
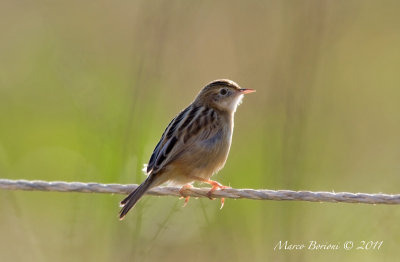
x,y
167,132
191,125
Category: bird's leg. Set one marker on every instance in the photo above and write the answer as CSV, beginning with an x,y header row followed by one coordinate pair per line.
x,y
215,185
181,192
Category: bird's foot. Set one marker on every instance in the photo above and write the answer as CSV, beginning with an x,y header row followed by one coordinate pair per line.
x,y
215,185
182,193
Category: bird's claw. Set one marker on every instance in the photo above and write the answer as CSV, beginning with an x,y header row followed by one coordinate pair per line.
x,y
182,193
215,186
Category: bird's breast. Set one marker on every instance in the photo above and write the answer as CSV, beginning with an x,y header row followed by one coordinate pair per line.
x,y
205,157
215,150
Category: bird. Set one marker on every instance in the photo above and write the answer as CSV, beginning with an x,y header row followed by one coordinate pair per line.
x,y
196,143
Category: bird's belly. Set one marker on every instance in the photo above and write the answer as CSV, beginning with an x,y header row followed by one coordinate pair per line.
x,y
200,168
213,161
201,161
208,158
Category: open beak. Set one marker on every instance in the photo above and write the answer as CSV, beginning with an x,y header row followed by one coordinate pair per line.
x,y
246,91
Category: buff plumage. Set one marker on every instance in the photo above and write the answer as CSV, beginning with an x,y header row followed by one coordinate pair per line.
x,y
195,144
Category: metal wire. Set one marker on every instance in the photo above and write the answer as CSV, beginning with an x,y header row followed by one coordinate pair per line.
x,y
260,194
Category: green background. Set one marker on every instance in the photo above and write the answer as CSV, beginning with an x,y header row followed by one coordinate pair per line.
x,y
87,87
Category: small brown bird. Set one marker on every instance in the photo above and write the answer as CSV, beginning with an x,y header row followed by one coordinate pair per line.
x,y
195,145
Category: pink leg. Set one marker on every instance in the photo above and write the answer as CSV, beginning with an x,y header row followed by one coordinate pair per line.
x,y
181,192
215,186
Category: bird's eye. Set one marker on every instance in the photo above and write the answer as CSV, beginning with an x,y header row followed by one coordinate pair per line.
x,y
223,91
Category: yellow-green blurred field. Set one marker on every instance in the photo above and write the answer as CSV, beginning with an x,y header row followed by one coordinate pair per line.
x,y
86,89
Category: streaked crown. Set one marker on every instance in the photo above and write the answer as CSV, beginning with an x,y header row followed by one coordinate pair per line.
x,y
221,94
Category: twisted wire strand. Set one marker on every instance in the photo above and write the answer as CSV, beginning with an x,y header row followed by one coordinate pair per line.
x,y
261,194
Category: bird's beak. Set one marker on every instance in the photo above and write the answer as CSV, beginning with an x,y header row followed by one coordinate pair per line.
x,y
246,91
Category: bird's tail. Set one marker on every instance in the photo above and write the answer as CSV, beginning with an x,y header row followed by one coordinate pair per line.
x,y
130,201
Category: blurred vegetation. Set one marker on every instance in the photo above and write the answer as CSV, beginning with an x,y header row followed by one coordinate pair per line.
x,y
86,89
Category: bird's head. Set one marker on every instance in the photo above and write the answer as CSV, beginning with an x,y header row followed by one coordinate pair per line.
x,y
223,94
